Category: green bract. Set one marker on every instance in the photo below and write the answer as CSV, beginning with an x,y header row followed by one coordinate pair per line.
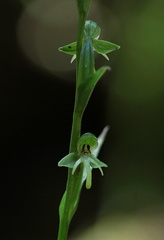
x,y
86,144
91,31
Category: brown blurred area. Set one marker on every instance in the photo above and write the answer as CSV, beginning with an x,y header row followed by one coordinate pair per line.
x,y
36,100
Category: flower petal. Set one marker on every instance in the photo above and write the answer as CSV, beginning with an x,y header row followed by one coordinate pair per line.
x,y
76,165
104,47
95,163
68,161
69,48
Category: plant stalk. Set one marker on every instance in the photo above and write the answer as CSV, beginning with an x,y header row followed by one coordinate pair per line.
x,y
71,196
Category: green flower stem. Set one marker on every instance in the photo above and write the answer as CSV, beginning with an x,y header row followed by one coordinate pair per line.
x,y
83,9
70,201
71,196
81,24
76,129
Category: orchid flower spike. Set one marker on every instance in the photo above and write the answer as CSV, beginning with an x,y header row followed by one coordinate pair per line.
x,y
86,145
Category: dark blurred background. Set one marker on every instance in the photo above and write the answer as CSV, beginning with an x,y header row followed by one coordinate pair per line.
x,y
36,102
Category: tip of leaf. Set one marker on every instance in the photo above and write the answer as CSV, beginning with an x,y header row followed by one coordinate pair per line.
x,y
107,68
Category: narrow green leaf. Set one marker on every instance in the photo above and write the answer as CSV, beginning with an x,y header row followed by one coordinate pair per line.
x,y
98,74
85,89
62,205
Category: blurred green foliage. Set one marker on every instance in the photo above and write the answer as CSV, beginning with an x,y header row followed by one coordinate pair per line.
x,y
135,174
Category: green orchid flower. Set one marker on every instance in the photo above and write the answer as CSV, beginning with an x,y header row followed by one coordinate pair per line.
x,y
84,155
91,31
